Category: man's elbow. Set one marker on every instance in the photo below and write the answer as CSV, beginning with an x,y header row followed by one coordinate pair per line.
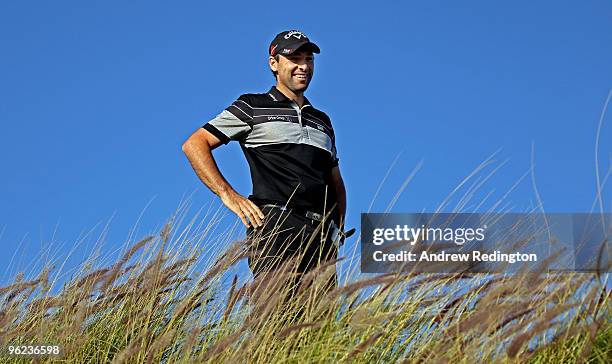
x,y
193,144
186,147
192,147
200,142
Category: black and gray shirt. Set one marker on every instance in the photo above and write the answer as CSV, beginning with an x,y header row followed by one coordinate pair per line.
x,y
290,151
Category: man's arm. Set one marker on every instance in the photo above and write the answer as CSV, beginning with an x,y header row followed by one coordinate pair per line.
x,y
198,149
338,185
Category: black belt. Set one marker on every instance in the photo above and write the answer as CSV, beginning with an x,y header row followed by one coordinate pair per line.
x,y
314,216
309,214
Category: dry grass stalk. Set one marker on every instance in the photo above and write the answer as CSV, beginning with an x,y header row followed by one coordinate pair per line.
x,y
160,343
592,332
190,341
91,279
364,345
223,344
506,287
269,282
307,278
354,287
544,323
6,318
231,299
596,304
177,267
19,296
233,254
514,314
297,328
463,297
113,274
568,332
270,292
73,347
43,304
19,287
132,348
363,318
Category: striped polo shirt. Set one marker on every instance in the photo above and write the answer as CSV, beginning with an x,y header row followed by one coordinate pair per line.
x,y
290,150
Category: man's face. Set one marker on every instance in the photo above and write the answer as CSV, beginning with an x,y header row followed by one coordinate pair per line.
x,y
295,70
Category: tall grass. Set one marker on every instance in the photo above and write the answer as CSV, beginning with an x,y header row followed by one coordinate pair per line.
x,y
165,300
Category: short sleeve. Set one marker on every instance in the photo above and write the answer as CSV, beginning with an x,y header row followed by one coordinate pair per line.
x,y
233,123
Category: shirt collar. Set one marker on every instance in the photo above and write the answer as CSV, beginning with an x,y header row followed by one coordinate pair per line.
x,y
280,97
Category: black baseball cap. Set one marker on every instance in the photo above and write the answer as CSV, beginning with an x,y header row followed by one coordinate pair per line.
x,y
289,41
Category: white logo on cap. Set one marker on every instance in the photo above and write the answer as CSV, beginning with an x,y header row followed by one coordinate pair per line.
x,y
296,34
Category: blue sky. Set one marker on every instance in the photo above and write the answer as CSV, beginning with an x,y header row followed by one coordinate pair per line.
x,y
97,98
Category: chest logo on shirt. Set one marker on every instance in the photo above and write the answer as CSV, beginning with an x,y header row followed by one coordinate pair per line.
x,y
277,117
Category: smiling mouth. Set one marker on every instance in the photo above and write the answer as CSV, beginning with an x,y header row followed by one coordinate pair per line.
x,y
301,77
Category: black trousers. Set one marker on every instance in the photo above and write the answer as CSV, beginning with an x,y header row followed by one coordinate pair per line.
x,y
288,234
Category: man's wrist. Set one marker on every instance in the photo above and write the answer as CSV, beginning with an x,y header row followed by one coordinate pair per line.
x,y
226,192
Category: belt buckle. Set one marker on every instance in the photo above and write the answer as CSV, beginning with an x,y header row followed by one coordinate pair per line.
x,y
282,208
314,216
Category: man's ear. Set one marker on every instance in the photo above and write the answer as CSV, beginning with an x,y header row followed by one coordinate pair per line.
x,y
273,64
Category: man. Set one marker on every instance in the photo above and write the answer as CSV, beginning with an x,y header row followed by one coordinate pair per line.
x,y
298,194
